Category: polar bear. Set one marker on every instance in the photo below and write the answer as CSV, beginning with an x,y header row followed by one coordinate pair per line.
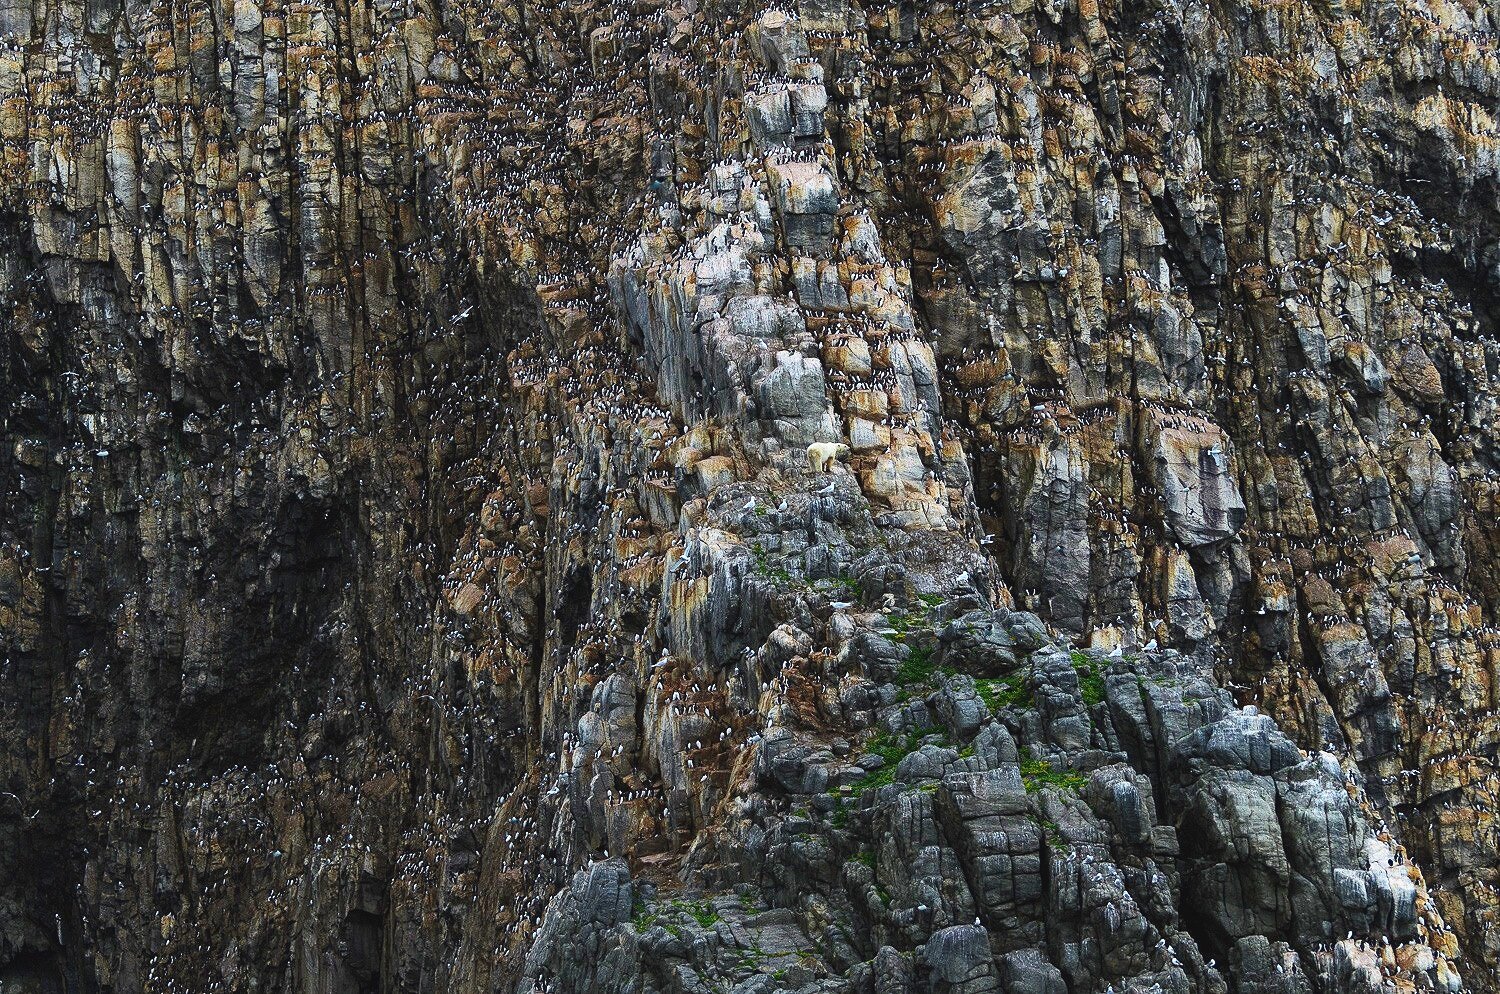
x,y
820,455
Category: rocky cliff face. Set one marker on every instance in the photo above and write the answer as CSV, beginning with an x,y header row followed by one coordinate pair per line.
x,y
614,495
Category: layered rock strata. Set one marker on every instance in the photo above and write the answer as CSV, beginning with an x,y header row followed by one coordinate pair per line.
x,y
971,497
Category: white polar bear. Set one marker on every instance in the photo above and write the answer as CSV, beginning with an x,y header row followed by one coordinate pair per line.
x,y
820,455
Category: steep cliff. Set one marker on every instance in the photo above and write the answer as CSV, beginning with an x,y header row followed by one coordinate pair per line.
x,y
614,495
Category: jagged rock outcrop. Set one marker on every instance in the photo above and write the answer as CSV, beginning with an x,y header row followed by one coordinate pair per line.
x,y
990,497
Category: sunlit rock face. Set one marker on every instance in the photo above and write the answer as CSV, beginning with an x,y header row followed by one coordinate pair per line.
x,y
994,497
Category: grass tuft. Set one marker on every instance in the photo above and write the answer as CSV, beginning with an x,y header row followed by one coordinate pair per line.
x,y
892,749
1009,691
1090,679
700,911
1038,773
916,668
